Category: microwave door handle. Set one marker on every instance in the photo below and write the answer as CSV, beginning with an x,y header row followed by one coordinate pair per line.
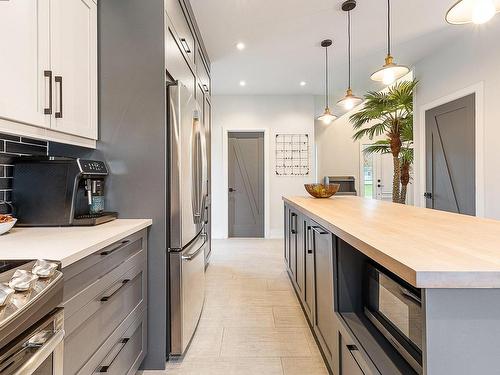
x,y
406,293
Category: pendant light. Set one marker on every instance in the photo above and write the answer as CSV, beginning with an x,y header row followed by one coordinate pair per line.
x,y
472,11
389,71
349,101
327,117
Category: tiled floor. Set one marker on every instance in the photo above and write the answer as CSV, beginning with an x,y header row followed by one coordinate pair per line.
x,y
252,323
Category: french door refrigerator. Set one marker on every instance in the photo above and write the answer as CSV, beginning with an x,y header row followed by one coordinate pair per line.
x,y
187,195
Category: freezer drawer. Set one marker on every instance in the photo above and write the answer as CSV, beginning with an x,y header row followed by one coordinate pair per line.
x,y
187,270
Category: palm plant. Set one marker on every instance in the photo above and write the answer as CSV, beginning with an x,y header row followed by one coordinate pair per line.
x,y
390,113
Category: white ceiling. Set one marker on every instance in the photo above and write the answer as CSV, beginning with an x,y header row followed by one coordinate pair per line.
x,y
282,40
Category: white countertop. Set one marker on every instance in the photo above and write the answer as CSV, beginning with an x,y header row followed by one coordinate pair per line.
x,y
65,244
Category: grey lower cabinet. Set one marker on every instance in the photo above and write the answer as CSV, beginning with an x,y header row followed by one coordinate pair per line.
x,y
310,253
105,309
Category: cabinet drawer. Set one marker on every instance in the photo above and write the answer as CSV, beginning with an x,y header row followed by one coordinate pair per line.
x,y
90,326
179,20
123,351
125,356
83,273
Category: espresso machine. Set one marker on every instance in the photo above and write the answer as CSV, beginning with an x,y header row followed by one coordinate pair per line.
x,y
59,191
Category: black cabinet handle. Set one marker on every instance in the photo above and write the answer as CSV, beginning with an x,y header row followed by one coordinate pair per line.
x,y
48,74
319,230
185,45
116,289
58,79
294,223
105,368
352,348
428,195
205,87
232,190
120,246
308,242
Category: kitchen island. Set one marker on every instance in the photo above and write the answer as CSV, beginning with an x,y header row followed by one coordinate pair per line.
x,y
452,262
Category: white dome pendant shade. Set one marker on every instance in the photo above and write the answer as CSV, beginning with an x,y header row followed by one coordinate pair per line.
x,y
472,11
390,71
327,117
349,101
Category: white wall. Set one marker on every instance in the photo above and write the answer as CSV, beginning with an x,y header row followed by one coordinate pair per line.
x,y
274,114
337,153
470,60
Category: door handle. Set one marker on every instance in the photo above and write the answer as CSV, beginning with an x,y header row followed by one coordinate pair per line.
x,y
58,79
308,242
232,190
294,223
428,195
185,45
48,74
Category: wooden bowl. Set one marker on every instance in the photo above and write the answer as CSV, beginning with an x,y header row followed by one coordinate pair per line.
x,y
322,191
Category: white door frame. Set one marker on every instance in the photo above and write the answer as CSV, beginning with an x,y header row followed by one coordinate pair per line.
x,y
478,90
225,166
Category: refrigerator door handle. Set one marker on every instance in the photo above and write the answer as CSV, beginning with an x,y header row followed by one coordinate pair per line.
x,y
198,251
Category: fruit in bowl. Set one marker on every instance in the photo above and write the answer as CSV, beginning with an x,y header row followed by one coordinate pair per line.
x,y
321,190
6,223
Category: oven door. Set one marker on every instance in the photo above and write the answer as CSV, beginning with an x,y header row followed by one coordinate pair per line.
x,y
395,308
38,351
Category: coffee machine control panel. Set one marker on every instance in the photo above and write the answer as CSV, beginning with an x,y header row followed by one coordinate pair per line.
x,y
92,167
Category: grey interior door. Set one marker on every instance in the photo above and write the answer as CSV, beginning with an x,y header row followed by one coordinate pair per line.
x,y
450,156
246,184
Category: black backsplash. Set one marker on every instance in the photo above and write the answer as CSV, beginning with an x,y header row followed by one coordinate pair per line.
x,y
10,147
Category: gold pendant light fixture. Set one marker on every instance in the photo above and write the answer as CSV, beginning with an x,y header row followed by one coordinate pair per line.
x,y
472,11
327,117
349,101
390,71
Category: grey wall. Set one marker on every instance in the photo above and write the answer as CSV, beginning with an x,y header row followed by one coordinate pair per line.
x,y
133,137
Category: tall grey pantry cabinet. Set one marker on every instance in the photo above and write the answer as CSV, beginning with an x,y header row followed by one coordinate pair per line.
x,y
143,45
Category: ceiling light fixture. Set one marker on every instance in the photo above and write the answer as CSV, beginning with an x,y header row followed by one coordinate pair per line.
x,y
303,83
472,11
243,83
240,46
349,101
390,71
327,117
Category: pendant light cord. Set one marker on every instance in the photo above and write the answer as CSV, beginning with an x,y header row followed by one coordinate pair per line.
x,y
349,47
388,27
326,73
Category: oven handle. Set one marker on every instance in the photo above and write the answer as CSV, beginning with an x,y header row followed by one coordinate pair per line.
x,y
405,292
43,352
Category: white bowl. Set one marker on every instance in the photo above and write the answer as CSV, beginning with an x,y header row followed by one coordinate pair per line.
x,y
5,227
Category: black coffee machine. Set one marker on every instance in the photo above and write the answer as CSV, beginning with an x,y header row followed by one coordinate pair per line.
x,y
59,191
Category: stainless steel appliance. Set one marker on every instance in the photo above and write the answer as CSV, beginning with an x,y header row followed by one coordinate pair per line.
x,y
188,185
31,324
395,308
68,191
347,184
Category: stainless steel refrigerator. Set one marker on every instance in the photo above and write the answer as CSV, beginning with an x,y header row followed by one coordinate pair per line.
x,y
188,191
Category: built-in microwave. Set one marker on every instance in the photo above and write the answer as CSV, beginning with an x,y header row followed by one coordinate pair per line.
x,y
395,308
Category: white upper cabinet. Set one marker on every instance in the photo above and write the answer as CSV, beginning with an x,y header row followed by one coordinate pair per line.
x,y
24,42
74,63
48,71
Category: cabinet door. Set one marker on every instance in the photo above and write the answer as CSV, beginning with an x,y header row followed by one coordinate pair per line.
x,y
293,244
74,60
24,89
309,271
286,217
324,316
300,256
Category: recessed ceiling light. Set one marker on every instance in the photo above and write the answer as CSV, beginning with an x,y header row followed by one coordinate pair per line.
x,y
243,83
240,46
303,83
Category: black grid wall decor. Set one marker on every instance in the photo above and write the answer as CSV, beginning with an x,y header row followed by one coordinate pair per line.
x,y
292,154
10,147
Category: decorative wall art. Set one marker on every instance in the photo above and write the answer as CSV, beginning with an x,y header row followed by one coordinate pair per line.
x,y
292,154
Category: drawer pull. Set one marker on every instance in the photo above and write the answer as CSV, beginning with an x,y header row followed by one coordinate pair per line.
x,y
48,74
205,87
105,368
110,251
308,241
115,289
185,45
58,79
352,348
